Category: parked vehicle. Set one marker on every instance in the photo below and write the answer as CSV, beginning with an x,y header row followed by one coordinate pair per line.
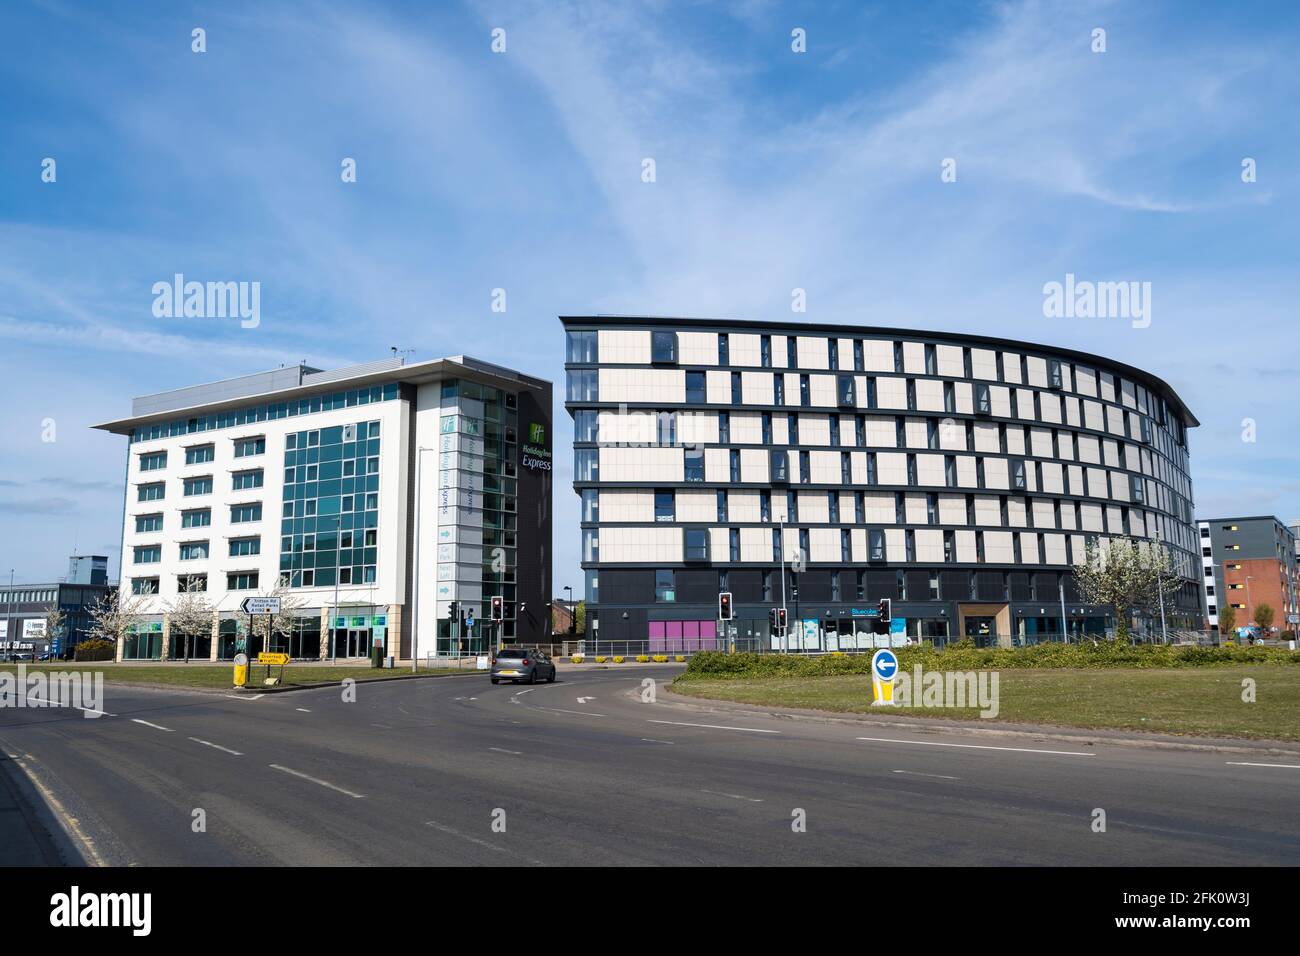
x,y
526,664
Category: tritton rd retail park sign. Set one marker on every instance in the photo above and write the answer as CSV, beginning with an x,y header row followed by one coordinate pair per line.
x,y
261,605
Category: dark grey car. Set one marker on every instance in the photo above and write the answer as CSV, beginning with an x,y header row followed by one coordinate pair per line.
x,y
522,664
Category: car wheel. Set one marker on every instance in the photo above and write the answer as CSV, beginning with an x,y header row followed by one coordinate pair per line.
x,y
495,681
551,679
532,676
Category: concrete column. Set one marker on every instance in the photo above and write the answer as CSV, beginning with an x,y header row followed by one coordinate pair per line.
x,y
325,633
216,635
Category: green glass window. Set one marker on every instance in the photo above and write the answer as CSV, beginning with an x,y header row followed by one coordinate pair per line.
x,y
198,486
153,461
199,454
148,554
243,547
146,523
153,492
244,447
247,479
194,550
242,513
199,518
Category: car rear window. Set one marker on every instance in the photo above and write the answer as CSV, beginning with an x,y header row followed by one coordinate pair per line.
x,y
510,653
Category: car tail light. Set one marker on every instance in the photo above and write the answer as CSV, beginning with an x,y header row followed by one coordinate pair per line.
x,y
526,662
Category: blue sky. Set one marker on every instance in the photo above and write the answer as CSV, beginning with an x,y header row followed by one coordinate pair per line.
x,y
522,171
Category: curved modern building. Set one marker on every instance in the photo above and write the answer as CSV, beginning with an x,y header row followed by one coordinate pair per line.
x,y
825,468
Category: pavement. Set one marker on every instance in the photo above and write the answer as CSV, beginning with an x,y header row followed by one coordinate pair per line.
x,y
586,771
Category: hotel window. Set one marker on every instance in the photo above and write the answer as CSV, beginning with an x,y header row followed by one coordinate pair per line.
x,y
194,550
779,465
876,544
931,434
950,470
733,543
932,508
198,518
764,505
845,391
241,514
154,461
693,464
146,523
846,468
833,346
767,585
983,403
585,423
583,385
911,469
778,388
695,389
835,586
735,466
154,492
1137,489
736,393
724,349
243,480
1018,480
245,547
871,391
590,544
586,464
722,505
909,545
846,547
791,351
949,547
144,585
243,581
898,358
590,505
911,394
804,550
248,447
767,428
949,397
765,351
859,507
859,363
931,360
860,430
200,454
776,545
581,348
1145,428
805,468
697,544
663,348
198,486
724,428
805,399
871,467
833,506
791,506
664,505
792,427
1054,377
148,554
665,586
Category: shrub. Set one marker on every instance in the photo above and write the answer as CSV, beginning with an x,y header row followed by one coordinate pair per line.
x,y
95,649
618,660
680,658
642,659
601,660
660,658
575,659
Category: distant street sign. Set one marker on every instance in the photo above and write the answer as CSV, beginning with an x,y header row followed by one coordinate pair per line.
x,y
261,605
266,657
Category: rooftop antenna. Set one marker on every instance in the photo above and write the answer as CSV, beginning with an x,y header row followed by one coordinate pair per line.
x,y
401,352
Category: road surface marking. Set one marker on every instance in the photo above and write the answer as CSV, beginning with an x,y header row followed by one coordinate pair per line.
x,y
464,836
243,696
580,713
935,743
302,710
1240,763
583,700
208,743
652,740
748,730
323,783
137,720
499,750
73,824
733,796
55,703
382,726
917,773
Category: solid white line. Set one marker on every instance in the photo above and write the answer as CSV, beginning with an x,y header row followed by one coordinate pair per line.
x,y
917,773
303,710
137,720
499,750
1240,763
580,713
934,743
733,796
652,740
208,743
748,730
323,783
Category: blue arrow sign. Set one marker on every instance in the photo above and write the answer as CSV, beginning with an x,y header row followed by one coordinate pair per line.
x,y
885,664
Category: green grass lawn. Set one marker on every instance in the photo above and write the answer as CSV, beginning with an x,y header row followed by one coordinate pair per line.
x,y
1198,701
219,676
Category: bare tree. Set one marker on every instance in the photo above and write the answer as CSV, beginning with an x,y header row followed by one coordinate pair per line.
x,y
1127,574
53,625
115,615
190,610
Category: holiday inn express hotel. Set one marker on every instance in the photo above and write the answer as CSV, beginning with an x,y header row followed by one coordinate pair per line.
x,y
387,503
825,468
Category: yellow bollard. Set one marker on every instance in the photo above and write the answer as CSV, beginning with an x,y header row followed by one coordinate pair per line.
x,y
241,670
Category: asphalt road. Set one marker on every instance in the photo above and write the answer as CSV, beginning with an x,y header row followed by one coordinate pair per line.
x,y
583,772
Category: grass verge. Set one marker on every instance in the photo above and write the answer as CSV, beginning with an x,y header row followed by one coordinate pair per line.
x,y
1190,701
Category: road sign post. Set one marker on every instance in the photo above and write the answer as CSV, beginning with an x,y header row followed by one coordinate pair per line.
x,y
884,668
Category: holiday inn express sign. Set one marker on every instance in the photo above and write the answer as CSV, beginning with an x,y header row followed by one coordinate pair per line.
x,y
536,456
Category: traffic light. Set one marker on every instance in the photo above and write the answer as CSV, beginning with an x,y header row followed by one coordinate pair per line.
x,y
771,617
780,619
724,606
886,607
776,617
452,608
497,609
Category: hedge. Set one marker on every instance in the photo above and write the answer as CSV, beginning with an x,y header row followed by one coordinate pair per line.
x,y
715,665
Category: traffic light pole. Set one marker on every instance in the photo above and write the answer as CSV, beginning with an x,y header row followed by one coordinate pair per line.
x,y
785,630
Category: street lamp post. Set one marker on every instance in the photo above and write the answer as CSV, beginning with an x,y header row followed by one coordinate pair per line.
x,y
785,628
1160,586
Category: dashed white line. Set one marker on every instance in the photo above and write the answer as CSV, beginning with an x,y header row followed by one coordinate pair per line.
x,y
315,780
580,713
208,743
244,696
1242,763
748,730
55,703
501,750
137,720
302,710
917,773
655,740
935,743
733,796
464,836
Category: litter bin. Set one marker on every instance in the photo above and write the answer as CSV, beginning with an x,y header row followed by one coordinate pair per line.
x,y
377,655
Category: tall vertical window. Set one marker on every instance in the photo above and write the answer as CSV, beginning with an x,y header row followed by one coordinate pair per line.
x,y
765,351
665,586
583,385
695,389
765,505
733,538
792,351
859,364
585,423
805,468
844,391
735,466
590,505
778,388
586,464
767,428
724,349
805,398
833,506
693,464
835,586
722,505
663,348
778,465
931,360
590,544
581,347
724,428
833,347
664,505
846,547
737,395
792,427
876,544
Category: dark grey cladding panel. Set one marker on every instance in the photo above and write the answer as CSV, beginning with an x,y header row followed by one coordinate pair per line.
x,y
244,386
